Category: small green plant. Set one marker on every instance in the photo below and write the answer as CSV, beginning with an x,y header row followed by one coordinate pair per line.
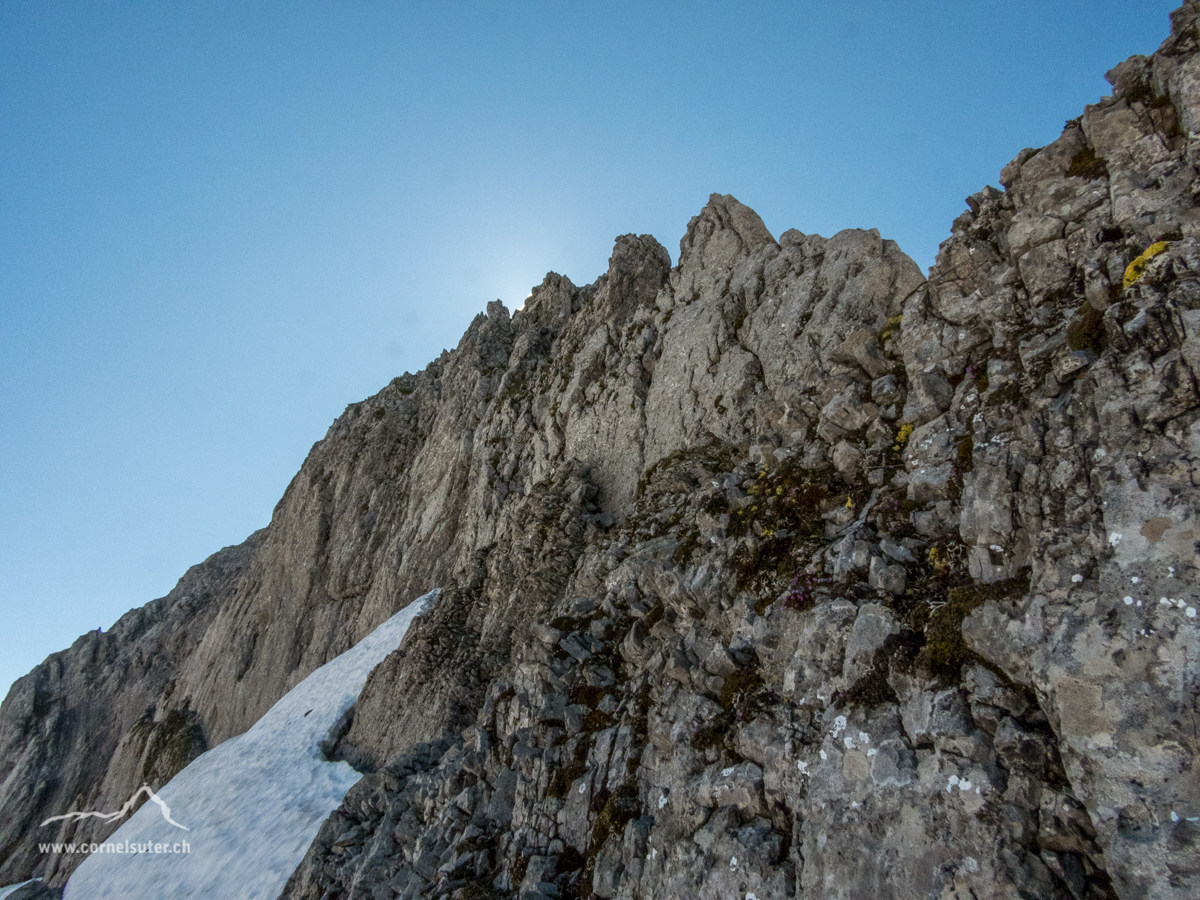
x,y
903,435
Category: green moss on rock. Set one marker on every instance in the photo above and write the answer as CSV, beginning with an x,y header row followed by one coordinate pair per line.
x,y
1085,331
1086,164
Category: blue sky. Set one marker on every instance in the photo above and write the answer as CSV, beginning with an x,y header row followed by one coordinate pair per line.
x,y
222,222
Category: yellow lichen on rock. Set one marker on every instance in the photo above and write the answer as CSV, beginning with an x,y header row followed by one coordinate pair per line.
x,y
1137,268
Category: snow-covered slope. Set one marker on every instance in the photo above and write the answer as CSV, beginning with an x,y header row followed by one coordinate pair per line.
x,y
250,807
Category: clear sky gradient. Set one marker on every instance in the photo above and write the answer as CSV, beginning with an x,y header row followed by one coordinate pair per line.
x,y
222,222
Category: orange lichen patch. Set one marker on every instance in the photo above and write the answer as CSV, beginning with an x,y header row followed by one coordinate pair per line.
x,y
1155,528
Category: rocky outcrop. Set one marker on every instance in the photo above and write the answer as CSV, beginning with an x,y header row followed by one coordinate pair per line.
x,y
930,632
437,479
781,572
93,723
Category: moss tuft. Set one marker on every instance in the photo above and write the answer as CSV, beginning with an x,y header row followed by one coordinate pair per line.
x,y
966,454
1009,392
945,651
688,541
619,809
586,695
567,775
1086,164
741,685
892,326
597,720
1085,331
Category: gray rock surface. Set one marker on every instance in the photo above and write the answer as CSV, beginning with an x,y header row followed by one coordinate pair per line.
x,y
781,572
90,725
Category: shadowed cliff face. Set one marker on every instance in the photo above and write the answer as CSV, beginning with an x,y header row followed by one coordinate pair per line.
x,y
779,572
94,722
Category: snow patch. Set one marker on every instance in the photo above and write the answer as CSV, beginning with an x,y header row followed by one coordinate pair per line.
x,y
254,803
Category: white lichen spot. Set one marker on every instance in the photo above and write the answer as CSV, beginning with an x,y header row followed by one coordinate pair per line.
x,y
854,804
1129,601
1190,612
801,765
725,773
583,788
996,548
733,864
964,785
849,742
872,752
824,756
864,738
1163,601
1170,571
839,725
1136,580
751,897
662,801
1139,603
1115,538
1076,578
1174,816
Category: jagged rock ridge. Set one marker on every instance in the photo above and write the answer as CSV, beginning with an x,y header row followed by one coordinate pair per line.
x,y
781,572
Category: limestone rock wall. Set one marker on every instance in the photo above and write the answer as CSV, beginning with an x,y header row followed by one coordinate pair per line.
x,y
778,572
931,632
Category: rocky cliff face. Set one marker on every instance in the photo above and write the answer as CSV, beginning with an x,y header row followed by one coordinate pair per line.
x,y
781,572
93,723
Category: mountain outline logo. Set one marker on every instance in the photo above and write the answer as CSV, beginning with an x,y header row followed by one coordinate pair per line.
x,y
119,814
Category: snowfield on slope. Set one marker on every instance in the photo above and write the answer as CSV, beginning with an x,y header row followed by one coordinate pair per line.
x,y
252,805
